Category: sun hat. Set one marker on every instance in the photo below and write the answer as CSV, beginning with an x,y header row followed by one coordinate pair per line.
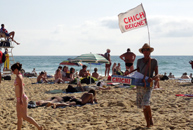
x,y
146,46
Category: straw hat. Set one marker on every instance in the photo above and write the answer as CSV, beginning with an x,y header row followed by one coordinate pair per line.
x,y
146,46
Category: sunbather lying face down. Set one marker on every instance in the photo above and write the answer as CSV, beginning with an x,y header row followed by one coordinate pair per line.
x,y
89,97
56,99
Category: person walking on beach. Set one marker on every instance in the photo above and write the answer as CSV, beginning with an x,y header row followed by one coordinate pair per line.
x,y
22,99
107,66
128,58
147,66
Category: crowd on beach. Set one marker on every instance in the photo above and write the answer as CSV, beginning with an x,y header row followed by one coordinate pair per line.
x,y
147,66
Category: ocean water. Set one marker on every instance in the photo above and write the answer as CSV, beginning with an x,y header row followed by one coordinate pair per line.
x,y
175,64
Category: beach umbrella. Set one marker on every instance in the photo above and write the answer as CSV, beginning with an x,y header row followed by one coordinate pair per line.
x,y
97,64
66,62
90,58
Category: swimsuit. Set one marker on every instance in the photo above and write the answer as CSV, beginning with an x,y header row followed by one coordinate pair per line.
x,y
19,98
64,99
78,102
5,32
128,64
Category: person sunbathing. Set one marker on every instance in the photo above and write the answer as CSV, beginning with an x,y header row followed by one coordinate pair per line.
x,y
95,74
170,75
89,97
83,71
185,76
56,99
58,77
114,69
41,78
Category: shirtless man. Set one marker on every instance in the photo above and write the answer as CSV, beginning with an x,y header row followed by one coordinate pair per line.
x,y
83,72
95,74
129,58
41,78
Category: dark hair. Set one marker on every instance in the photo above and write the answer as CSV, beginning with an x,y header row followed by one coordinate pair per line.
x,y
42,73
84,66
128,49
59,66
64,67
95,69
2,25
92,91
71,69
16,66
58,70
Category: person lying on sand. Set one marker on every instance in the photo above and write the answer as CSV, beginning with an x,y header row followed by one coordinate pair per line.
x,y
54,100
89,97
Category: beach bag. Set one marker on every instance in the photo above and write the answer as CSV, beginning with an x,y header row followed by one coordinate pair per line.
x,y
89,81
71,89
84,80
31,104
7,77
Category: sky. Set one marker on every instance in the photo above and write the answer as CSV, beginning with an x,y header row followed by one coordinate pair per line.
x,y
75,27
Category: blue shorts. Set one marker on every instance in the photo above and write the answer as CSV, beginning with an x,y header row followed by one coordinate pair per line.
x,y
7,34
143,96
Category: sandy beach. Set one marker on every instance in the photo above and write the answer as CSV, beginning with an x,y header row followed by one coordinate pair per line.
x,y
116,109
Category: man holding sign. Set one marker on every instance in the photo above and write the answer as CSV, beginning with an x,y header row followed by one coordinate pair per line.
x,y
147,66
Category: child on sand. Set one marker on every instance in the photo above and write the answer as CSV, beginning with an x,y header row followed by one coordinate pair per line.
x,y
22,99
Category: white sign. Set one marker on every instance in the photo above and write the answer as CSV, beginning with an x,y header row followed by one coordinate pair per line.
x,y
132,19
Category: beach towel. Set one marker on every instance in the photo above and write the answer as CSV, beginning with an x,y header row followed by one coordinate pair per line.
x,y
42,83
113,84
56,91
184,80
185,95
75,105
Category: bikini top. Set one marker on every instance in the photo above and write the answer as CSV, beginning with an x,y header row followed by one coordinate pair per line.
x,y
15,82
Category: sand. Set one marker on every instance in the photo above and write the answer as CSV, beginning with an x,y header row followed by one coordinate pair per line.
x,y
116,109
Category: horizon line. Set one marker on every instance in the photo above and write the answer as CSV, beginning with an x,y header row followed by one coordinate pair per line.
x,y
111,55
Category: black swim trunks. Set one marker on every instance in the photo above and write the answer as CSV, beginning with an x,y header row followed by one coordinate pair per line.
x,y
128,64
78,102
66,98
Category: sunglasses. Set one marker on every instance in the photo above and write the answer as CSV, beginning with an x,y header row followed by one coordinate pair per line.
x,y
147,49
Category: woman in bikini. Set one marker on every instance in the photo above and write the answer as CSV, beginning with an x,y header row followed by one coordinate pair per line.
x,y
58,77
22,99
